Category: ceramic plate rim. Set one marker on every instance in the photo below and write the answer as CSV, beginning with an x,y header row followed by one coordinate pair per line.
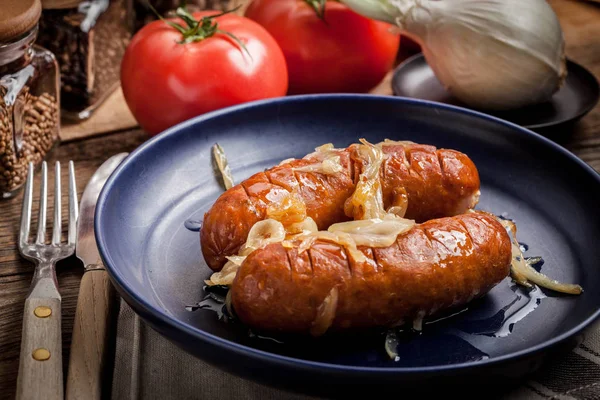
x,y
156,314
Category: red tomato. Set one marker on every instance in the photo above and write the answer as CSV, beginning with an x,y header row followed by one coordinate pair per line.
x,y
165,82
347,53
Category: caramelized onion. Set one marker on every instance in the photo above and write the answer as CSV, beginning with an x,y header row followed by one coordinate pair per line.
x,y
306,243
396,142
290,209
225,276
330,165
418,321
321,152
523,273
391,345
287,160
261,234
397,210
374,232
237,260
304,227
341,238
326,161
399,202
367,200
325,313
222,164
324,148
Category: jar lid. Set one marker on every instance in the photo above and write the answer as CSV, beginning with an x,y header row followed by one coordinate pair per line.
x,y
55,4
18,17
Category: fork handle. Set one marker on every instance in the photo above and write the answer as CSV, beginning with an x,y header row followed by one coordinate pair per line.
x,y
90,336
40,366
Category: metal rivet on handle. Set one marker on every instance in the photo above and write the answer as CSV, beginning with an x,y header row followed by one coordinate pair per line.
x,y
42,311
41,354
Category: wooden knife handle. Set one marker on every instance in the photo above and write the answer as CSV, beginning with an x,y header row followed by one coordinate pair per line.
x,y
40,366
90,336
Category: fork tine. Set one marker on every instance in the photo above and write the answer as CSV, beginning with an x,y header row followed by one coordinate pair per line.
x,y
73,206
41,233
57,229
26,211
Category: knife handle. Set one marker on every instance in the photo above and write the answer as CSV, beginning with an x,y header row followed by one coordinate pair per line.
x,y
40,366
90,337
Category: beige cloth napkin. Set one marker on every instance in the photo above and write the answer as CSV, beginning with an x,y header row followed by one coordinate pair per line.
x,y
148,366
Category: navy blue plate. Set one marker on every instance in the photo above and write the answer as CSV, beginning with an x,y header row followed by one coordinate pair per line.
x,y
579,94
156,264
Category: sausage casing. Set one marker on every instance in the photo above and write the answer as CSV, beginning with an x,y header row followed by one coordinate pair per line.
x,y
436,265
436,182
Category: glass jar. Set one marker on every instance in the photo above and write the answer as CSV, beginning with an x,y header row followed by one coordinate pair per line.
x,y
143,14
88,39
29,108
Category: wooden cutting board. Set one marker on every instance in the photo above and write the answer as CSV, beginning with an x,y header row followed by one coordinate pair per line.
x,y
112,115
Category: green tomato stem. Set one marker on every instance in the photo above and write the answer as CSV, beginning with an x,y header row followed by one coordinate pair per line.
x,y
319,7
198,30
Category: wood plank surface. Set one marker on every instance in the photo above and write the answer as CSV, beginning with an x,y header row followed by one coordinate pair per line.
x,y
580,21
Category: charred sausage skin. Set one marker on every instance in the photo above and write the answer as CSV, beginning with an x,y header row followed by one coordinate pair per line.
x,y
437,183
436,265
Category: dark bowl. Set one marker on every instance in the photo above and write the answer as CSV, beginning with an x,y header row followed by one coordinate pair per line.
x,y
156,264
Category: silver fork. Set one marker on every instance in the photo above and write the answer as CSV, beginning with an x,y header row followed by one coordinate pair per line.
x,y
40,367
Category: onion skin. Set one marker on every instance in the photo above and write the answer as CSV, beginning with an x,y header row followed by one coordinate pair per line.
x,y
494,55
524,274
498,61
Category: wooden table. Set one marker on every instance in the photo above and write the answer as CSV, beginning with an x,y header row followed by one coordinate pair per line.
x,y
581,24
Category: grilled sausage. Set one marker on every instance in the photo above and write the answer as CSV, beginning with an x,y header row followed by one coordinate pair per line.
x,y
435,182
435,265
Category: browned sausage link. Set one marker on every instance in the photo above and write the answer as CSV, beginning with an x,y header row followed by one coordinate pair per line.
x,y
226,225
438,264
437,183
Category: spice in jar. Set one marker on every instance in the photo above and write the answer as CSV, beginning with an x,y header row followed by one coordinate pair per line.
x,y
29,97
89,39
